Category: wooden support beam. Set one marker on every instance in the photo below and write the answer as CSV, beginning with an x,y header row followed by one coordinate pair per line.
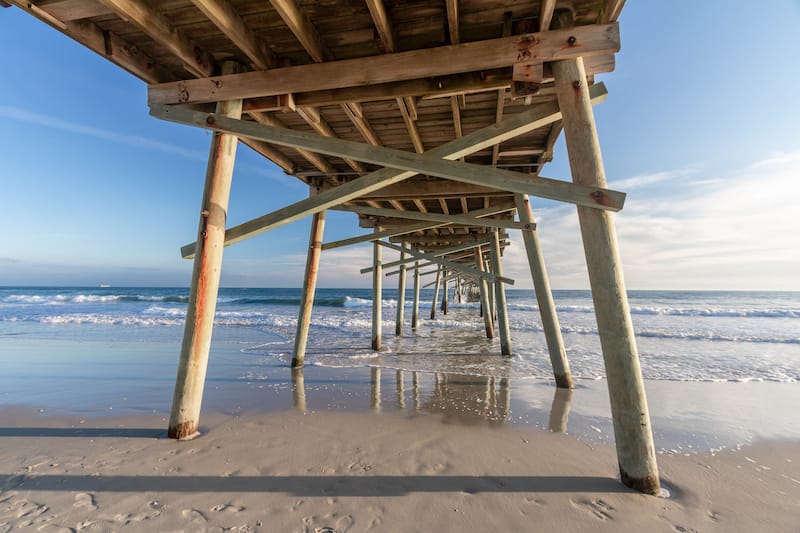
x,y
428,62
409,118
271,153
415,306
452,21
314,119
107,44
632,430
494,210
436,292
445,295
303,29
227,19
382,24
377,291
515,182
500,295
488,323
423,188
465,220
195,59
519,124
309,288
447,264
439,253
544,297
611,10
401,297
355,113
189,384
314,158
546,8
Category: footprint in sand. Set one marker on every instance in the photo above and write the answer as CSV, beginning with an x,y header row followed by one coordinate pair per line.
x,y
84,499
223,507
598,508
194,516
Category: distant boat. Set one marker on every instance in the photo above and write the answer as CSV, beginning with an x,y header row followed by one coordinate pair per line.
x,y
104,285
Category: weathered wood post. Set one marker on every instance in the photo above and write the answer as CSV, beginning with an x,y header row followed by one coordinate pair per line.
x,y
544,296
436,292
309,287
401,297
632,430
377,294
188,397
415,308
500,295
484,288
444,293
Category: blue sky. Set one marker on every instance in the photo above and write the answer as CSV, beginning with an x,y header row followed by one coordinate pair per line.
x,y
701,129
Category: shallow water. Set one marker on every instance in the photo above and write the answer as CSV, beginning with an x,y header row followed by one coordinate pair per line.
x,y
721,369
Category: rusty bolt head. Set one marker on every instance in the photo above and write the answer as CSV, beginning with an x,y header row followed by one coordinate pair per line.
x,y
210,120
204,234
597,195
576,84
572,40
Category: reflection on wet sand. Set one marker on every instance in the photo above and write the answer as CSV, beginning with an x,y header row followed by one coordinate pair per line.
x,y
465,399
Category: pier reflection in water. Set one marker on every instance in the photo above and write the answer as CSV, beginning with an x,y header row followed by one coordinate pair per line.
x,y
462,399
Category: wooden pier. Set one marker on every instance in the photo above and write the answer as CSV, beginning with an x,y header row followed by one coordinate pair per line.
x,y
430,121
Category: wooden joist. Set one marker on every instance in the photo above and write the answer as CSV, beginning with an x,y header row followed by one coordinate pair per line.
x,y
466,57
465,220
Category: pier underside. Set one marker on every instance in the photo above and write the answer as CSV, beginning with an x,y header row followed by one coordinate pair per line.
x,y
429,121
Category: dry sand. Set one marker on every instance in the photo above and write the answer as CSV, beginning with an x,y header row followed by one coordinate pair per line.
x,y
323,472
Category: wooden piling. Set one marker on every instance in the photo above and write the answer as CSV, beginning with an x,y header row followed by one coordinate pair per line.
x,y
377,290
298,389
193,363
415,308
401,297
544,296
500,295
559,411
632,430
484,289
436,292
444,294
309,287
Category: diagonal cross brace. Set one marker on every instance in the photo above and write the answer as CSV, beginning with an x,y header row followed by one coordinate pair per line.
x,y
537,117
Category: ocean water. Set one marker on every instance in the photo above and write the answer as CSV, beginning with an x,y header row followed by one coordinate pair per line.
x,y
721,365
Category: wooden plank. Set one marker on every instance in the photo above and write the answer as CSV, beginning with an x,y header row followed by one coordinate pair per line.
x,y
382,24
465,57
355,113
633,434
303,29
227,19
409,118
611,10
441,253
596,197
488,323
425,188
519,124
68,10
196,60
465,220
106,44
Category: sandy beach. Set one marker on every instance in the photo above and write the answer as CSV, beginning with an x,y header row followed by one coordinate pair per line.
x,y
328,471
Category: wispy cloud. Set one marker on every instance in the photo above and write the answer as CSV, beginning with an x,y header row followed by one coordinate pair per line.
x,y
136,141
